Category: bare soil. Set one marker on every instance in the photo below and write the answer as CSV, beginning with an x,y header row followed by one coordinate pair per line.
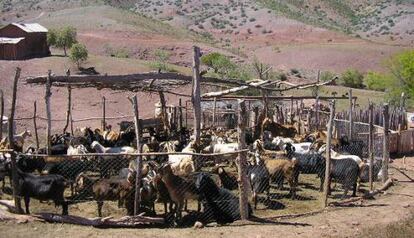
x,y
395,205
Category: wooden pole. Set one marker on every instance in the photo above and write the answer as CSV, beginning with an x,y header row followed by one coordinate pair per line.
x,y
11,142
291,111
214,112
186,114
139,158
371,144
386,151
328,154
351,118
1,113
196,92
242,162
69,109
309,120
35,124
103,113
48,112
164,112
180,112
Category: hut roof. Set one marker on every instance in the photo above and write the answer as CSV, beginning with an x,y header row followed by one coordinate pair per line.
x,y
31,27
6,40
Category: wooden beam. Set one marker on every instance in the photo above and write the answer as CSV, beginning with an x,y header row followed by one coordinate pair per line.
x,y
11,142
242,162
196,92
385,151
69,108
328,155
233,90
138,160
35,124
371,144
236,97
351,116
48,94
1,113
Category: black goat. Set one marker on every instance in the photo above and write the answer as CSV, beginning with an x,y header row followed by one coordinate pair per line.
x,y
219,203
346,172
48,187
227,181
312,163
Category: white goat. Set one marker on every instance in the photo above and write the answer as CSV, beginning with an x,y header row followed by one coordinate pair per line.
x,y
336,155
112,150
301,148
181,165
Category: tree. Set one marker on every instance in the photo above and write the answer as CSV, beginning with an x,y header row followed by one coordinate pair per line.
x,y
78,54
63,38
262,70
210,59
402,68
352,78
379,82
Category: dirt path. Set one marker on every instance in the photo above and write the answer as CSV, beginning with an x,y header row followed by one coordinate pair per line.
x,y
395,205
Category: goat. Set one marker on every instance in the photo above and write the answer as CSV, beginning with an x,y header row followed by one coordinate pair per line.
x,y
219,203
182,165
259,181
47,187
313,163
346,172
105,189
227,181
18,140
178,188
277,129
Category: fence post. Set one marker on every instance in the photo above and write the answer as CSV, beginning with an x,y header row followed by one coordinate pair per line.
x,y
35,124
385,152
196,98
351,118
309,120
1,113
180,113
242,162
214,111
328,154
371,144
11,142
48,112
103,113
68,112
186,114
138,159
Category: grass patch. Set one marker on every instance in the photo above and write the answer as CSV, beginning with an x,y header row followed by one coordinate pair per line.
x,y
401,229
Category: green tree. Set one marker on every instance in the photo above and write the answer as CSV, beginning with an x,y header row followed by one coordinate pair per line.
x,y
402,68
210,59
352,78
78,54
379,82
62,38
52,36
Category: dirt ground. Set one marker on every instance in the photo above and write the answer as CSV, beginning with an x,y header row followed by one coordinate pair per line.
x,y
395,205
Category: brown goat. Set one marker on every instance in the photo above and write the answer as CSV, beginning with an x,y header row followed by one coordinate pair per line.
x,y
277,129
281,168
178,188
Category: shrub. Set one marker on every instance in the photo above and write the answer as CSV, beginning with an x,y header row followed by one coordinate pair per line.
x,y
379,82
63,38
326,76
352,78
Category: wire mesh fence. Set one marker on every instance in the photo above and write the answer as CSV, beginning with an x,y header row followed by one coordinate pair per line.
x,y
283,178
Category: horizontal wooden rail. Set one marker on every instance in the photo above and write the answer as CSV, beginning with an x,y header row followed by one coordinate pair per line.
x,y
138,154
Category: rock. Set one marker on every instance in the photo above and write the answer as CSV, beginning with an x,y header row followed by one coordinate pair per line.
x,y
198,225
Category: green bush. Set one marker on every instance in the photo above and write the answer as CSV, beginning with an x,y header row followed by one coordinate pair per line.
x,y
327,76
379,82
352,78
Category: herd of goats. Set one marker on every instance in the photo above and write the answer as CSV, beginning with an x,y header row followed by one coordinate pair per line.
x,y
277,153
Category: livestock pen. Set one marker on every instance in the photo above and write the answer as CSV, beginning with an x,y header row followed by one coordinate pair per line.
x,y
123,174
